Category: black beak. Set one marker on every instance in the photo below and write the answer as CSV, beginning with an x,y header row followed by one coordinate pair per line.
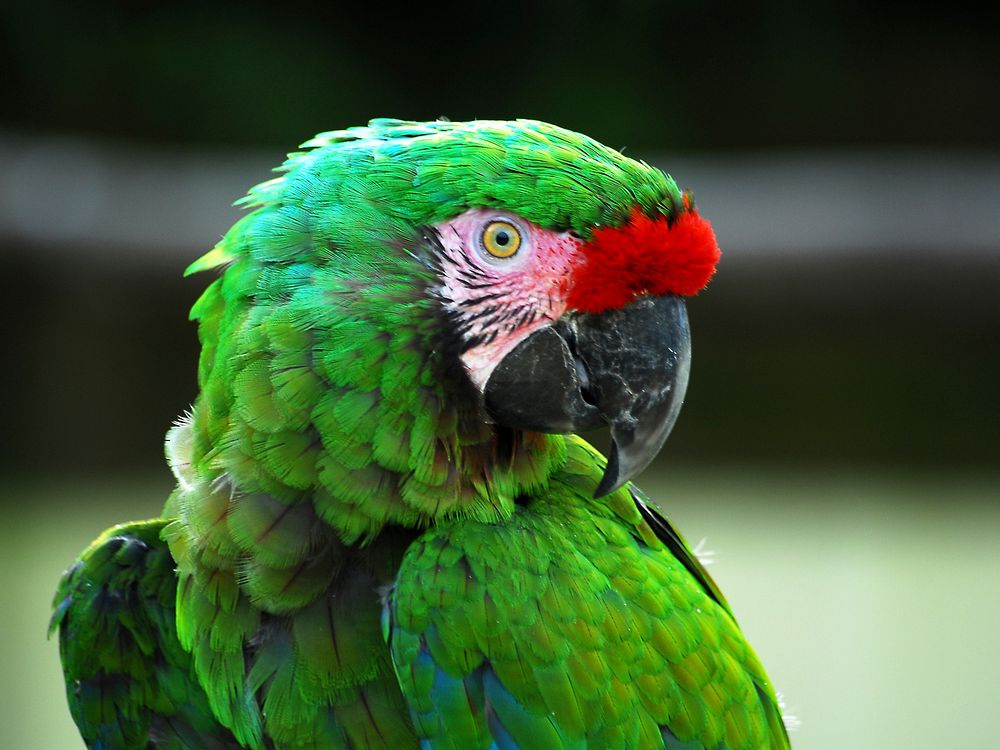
x,y
626,368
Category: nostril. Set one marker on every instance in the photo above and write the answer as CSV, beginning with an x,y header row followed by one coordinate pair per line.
x,y
584,378
567,332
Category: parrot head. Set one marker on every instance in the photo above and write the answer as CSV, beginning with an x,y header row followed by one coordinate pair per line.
x,y
562,333
423,306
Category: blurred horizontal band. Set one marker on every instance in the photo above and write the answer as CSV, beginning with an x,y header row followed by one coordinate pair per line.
x,y
129,202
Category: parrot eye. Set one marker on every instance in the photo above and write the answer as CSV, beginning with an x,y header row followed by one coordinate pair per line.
x,y
501,239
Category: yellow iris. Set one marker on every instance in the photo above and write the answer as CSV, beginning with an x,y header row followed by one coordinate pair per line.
x,y
501,239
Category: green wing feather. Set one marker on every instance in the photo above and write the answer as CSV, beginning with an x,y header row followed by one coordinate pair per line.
x,y
572,626
129,683
678,546
285,631
220,672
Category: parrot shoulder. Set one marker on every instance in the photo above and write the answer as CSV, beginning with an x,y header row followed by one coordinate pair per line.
x,y
571,625
128,681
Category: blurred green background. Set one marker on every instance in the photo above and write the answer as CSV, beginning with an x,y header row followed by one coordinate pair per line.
x,y
839,446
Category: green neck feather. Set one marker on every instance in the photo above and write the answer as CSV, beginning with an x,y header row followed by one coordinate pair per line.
x,y
335,392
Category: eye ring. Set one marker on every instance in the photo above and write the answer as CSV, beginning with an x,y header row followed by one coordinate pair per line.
x,y
501,239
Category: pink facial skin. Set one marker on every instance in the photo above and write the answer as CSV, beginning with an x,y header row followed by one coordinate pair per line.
x,y
498,302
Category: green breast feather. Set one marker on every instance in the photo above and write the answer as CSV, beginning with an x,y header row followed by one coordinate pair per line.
x,y
384,533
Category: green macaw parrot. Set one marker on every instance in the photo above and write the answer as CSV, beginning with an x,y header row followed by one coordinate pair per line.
x,y
385,533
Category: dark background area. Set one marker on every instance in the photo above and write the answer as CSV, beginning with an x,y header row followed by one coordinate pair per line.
x,y
841,435
642,74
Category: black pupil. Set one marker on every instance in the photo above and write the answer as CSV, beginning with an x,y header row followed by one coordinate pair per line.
x,y
502,238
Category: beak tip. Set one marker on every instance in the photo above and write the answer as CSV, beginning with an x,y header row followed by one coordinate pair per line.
x,y
612,479
602,490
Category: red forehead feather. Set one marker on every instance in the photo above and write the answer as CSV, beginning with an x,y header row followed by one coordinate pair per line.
x,y
644,256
